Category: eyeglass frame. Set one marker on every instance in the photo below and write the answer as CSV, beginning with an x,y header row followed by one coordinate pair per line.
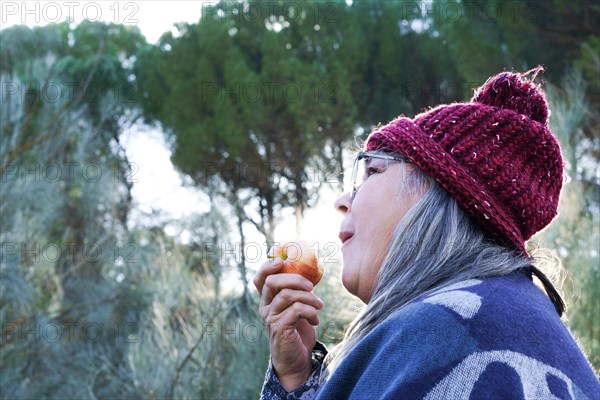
x,y
368,154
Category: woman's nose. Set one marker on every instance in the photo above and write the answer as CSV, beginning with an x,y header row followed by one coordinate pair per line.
x,y
343,203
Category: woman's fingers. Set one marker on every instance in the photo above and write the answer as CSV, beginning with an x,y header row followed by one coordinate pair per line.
x,y
267,273
274,284
267,268
290,317
300,310
287,297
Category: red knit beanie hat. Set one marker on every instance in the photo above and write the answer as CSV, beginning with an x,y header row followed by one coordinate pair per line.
x,y
495,155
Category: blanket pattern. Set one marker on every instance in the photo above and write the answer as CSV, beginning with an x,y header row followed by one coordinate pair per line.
x,y
478,339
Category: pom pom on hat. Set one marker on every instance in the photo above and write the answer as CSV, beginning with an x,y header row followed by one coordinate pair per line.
x,y
509,90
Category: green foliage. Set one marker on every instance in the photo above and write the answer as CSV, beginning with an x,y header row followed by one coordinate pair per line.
x,y
20,46
266,99
133,316
575,235
486,36
62,310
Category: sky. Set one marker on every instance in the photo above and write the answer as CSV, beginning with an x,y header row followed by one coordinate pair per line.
x,y
158,186
153,18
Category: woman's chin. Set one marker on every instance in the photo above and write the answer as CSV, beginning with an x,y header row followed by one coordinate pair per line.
x,y
349,283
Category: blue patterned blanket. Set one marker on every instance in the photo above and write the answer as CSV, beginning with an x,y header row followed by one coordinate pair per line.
x,y
496,338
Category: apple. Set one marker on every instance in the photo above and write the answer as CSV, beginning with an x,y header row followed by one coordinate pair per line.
x,y
298,258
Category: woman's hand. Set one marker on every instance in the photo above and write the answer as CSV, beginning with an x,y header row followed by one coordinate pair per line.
x,y
289,311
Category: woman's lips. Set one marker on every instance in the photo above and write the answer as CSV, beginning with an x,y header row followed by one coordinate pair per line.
x,y
345,236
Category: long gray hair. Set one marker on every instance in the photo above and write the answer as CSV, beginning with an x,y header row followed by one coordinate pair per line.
x,y
435,244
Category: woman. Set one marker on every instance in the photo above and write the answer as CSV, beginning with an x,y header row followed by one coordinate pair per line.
x,y
433,236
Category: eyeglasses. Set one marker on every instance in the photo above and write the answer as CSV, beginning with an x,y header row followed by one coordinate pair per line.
x,y
364,166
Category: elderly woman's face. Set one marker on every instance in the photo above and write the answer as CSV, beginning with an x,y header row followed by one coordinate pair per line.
x,y
369,222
